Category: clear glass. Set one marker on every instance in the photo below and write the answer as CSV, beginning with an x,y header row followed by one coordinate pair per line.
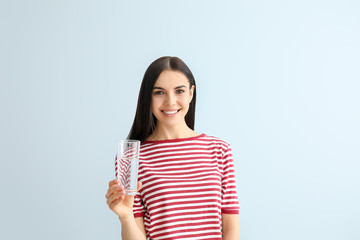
x,y
127,164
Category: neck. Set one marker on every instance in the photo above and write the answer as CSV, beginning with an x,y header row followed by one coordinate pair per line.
x,y
162,132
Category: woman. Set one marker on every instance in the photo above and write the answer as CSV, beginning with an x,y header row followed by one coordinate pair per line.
x,y
186,187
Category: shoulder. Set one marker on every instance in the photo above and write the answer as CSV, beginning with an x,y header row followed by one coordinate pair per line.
x,y
216,141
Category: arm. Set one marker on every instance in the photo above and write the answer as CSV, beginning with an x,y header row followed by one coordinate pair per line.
x,y
140,223
132,228
122,205
230,226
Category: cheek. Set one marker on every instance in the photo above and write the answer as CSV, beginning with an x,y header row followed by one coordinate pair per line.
x,y
185,100
155,102
184,104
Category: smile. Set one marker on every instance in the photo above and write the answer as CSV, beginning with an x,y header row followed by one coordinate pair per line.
x,y
170,112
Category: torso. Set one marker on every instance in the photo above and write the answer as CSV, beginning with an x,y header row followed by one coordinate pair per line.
x,y
182,192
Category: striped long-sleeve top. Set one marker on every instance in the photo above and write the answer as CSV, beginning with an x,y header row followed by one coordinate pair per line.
x,y
186,185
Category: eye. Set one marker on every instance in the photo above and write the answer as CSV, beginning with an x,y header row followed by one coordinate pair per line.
x,y
158,93
180,91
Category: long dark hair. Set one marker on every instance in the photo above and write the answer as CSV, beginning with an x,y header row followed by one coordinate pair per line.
x,y
144,121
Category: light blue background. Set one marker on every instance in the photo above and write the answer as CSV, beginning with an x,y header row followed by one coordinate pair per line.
x,y
279,80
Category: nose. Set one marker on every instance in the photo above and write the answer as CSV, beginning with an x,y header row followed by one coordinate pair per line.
x,y
171,99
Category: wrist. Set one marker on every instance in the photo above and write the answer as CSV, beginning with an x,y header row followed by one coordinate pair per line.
x,y
126,219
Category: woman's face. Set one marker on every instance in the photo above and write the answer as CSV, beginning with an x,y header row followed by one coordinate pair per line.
x,y
171,97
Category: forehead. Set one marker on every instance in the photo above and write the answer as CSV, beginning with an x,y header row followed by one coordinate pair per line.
x,y
169,78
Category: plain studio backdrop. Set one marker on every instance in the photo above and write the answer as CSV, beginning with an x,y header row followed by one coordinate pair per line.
x,y
278,80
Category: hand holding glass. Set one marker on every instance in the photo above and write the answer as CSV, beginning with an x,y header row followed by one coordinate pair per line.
x,y
127,164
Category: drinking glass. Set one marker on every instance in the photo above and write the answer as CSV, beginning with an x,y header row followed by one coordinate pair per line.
x,y
127,164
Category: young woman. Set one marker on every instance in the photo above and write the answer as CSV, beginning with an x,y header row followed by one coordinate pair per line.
x,y
186,187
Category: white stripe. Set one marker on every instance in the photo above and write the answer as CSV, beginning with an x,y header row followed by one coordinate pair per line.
x,y
190,149
179,234
169,224
187,227
182,205
179,164
194,214
198,157
162,178
185,185
212,216
173,218
180,195
192,176
164,168
148,201
206,203
185,200
207,236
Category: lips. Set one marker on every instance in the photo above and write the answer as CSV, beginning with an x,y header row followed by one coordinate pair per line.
x,y
170,112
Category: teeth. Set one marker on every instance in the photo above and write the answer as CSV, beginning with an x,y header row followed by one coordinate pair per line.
x,y
170,112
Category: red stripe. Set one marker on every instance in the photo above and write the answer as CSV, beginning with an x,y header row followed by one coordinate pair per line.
x,y
188,233
191,147
169,205
160,173
185,213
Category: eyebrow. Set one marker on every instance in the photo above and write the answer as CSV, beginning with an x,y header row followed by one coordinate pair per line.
x,y
181,86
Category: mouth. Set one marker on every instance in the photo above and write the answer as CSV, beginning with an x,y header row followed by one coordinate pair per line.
x,y
170,112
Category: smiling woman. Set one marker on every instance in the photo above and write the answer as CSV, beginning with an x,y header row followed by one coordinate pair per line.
x,y
154,85
172,95
186,187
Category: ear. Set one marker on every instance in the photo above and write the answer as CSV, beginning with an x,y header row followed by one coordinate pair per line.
x,y
192,89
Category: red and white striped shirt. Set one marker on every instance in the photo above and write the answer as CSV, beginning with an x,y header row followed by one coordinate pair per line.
x,y
186,185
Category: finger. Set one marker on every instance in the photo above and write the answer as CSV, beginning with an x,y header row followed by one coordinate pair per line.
x,y
139,184
113,189
113,204
114,196
113,182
